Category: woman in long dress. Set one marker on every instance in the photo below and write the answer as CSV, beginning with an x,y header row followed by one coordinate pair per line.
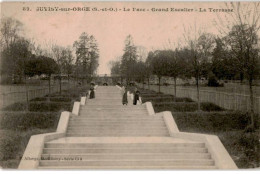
x,y
124,96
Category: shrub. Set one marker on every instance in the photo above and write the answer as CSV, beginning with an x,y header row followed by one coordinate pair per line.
x,y
212,81
207,106
53,99
41,106
211,121
165,99
185,106
28,120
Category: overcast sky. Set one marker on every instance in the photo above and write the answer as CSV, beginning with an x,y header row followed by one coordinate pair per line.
x,y
149,29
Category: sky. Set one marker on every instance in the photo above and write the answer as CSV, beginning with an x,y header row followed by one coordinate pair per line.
x,y
150,29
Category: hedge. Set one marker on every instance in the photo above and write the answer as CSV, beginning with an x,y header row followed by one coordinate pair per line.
x,y
53,99
41,107
185,106
165,99
211,121
27,120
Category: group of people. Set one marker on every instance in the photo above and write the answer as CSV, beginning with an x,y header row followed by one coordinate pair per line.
x,y
124,95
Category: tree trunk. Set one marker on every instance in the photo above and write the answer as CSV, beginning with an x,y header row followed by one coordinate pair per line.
x,y
175,93
68,82
49,84
60,84
198,92
143,83
251,103
241,77
148,83
159,84
27,95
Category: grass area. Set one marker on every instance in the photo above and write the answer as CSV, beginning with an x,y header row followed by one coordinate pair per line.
x,y
185,107
28,120
17,124
42,106
228,88
13,144
229,126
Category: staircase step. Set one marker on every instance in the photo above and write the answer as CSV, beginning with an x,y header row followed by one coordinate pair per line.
x,y
106,116
105,134
129,126
133,118
117,123
99,109
122,145
126,120
122,129
100,167
127,156
118,131
112,114
135,162
128,150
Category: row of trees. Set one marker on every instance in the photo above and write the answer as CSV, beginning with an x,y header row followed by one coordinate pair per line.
x,y
233,54
21,57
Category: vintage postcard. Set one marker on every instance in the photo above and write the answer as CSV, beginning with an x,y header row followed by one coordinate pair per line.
x,y
130,85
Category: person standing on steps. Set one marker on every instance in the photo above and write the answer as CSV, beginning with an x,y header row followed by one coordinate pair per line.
x,y
124,96
136,96
92,92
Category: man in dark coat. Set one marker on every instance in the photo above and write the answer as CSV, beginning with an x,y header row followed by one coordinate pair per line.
x,y
92,92
136,96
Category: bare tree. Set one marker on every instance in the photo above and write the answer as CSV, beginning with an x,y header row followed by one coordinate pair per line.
x,y
191,37
10,30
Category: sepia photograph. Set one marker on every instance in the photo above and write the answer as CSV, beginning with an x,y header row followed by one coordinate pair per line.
x,y
91,85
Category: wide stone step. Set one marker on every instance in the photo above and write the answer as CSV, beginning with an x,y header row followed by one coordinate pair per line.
x,y
128,150
117,123
118,119
106,156
126,131
113,108
112,96
104,103
107,134
121,162
128,128
85,113
122,145
109,114
113,112
178,167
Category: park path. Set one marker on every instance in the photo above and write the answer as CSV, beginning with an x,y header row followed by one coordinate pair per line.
x,y
108,135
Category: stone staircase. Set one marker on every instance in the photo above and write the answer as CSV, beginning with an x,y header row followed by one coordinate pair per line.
x,y
107,135
125,153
